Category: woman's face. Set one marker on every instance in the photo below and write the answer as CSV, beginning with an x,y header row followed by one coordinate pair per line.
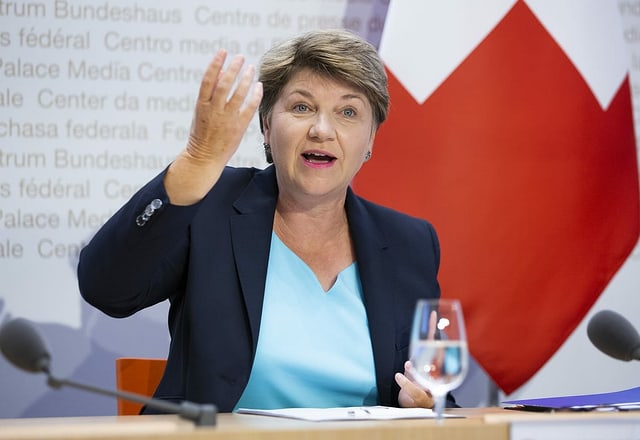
x,y
320,131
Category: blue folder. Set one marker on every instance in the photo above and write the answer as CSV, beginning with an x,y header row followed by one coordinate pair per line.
x,y
625,400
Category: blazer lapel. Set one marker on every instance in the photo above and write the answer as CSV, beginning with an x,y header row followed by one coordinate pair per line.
x,y
370,246
251,237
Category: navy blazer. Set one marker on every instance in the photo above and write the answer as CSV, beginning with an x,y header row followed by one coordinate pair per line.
x,y
210,261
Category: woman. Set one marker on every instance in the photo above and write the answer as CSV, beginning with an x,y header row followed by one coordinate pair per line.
x,y
286,289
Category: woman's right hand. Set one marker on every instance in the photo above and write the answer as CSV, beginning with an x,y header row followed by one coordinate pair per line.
x,y
220,120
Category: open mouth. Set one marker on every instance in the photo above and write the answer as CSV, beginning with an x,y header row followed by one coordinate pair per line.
x,y
318,158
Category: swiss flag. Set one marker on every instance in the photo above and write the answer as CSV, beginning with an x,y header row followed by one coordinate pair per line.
x,y
513,134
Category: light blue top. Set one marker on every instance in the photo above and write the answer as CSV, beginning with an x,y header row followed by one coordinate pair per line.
x,y
314,347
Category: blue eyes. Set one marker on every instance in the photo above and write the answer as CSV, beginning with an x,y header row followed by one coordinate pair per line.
x,y
303,108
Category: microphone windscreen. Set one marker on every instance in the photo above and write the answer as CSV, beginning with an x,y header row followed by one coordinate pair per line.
x,y
23,346
612,334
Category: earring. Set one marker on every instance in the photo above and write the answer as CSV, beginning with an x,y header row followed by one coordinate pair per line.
x,y
267,152
367,156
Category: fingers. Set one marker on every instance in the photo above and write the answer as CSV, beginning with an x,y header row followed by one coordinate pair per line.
x,y
411,395
408,370
254,101
433,319
227,101
217,83
226,81
243,87
240,95
210,78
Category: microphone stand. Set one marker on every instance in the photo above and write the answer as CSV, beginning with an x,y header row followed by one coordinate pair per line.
x,y
22,345
201,415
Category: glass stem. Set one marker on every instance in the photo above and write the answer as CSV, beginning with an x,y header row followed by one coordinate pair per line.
x,y
439,403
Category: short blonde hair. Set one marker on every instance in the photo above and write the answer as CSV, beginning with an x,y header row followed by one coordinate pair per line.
x,y
336,53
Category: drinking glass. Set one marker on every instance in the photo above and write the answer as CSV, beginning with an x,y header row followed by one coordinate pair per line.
x,y
438,348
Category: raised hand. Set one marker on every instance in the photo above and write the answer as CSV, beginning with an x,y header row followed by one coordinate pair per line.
x,y
226,104
221,116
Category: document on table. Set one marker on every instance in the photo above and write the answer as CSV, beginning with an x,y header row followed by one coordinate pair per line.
x,y
345,413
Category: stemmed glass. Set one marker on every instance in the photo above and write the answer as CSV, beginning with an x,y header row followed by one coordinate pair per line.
x,y
438,348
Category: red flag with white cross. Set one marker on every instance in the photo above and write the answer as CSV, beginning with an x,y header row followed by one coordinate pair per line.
x,y
511,130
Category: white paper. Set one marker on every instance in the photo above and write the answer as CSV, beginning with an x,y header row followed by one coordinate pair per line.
x,y
345,413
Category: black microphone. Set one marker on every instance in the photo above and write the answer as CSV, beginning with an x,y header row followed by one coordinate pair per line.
x,y
22,345
612,334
